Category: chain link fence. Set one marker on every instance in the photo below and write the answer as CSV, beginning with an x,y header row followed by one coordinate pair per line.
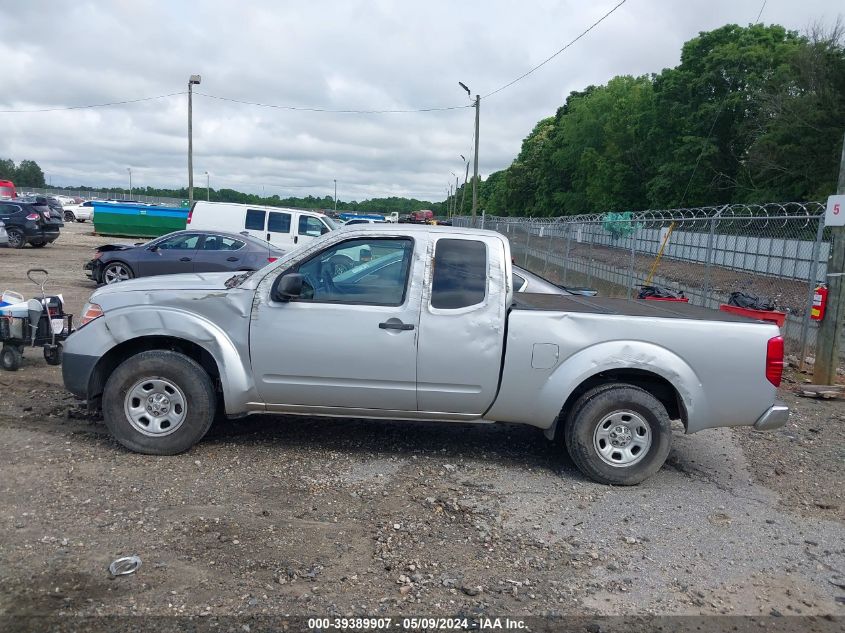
x,y
777,252
102,195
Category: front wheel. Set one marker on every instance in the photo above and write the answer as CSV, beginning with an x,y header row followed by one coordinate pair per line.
x,y
618,434
159,403
69,216
116,272
53,354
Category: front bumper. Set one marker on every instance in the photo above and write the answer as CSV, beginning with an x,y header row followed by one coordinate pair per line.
x,y
76,373
93,270
774,418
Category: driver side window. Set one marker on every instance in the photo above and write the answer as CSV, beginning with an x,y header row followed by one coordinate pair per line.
x,y
362,271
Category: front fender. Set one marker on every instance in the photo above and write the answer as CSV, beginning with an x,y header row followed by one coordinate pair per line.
x,y
235,376
120,326
541,403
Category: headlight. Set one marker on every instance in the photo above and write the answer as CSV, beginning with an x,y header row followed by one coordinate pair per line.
x,y
90,312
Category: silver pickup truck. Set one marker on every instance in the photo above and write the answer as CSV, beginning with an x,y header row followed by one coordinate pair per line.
x,y
409,322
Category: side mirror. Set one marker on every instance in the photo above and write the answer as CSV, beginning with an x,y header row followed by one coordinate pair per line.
x,y
288,287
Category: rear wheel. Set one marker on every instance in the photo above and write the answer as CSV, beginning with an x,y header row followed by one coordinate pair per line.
x,y
159,403
116,272
618,434
69,216
10,358
16,238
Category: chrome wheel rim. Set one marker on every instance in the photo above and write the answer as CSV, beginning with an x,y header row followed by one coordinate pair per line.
x,y
622,438
115,273
155,407
15,238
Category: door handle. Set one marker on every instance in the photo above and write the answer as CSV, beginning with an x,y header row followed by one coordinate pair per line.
x,y
396,325
231,259
268,237
295,239
185,259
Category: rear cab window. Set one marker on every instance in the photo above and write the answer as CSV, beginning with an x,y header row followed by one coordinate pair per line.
x,y
459,279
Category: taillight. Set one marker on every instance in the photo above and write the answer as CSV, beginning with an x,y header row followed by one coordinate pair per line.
x,y
774,360
272,259
190,213
32,216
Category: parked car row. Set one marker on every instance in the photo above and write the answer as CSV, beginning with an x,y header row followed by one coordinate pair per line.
x,y
30,220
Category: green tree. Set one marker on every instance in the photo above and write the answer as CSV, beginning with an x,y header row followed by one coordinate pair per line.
x,y
29,174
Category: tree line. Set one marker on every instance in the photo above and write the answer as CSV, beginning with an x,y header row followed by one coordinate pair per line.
x,y
751,114
29,175
26,174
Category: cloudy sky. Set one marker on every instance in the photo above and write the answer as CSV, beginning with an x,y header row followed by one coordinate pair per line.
x,y
325,54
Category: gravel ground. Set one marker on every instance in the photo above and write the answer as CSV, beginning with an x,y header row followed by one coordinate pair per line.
x,y
283,515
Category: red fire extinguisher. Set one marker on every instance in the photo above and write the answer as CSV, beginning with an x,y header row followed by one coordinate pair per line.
x,y
819,303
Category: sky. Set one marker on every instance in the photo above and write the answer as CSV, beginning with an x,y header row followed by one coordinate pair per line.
x,y
321,54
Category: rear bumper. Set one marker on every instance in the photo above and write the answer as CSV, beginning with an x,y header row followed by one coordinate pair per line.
x,y
774,418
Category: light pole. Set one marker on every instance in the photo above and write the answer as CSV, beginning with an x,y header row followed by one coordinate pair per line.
x,y
477,107
207,187
335,195
129,169
466,179
193,80
455,199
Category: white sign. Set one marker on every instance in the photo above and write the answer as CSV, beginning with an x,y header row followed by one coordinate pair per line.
x,y
835,214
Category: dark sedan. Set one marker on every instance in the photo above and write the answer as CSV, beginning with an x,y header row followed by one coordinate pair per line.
x,y
180,252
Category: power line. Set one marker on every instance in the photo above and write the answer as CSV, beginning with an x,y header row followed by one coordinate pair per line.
x,y
331,110
94,105
761,12
548,59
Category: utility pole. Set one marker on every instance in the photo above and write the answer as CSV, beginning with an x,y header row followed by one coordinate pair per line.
x,y
207,187
192,80
477,106
475,170
335,195
455,201
829,338
129,169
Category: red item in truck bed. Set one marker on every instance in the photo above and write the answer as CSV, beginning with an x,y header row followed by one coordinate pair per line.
x,y
765,315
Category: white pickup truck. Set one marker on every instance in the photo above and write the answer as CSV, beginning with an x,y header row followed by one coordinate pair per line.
x,y
409,322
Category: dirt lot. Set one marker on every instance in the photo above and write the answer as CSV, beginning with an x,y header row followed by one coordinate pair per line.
x,y
283,515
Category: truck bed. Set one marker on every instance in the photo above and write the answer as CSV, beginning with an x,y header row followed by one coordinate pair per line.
x,y
621,307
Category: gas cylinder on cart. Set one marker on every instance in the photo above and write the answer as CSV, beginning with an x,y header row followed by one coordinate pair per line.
x,y
819,303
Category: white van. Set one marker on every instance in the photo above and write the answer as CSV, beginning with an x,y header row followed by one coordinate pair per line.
x,y
283,228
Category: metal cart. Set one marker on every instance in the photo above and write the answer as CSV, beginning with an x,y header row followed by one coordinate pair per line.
x,y
45,326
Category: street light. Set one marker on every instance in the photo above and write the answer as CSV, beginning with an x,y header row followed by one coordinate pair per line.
x,y
193,80
129,169
477,107
207,187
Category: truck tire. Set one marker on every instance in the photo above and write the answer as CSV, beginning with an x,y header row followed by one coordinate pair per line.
x,y
159,402
618,434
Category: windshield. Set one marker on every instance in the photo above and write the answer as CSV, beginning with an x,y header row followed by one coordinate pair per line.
x,y
332,224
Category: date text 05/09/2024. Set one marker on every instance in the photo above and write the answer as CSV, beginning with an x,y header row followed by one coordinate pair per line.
x,y
417,624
